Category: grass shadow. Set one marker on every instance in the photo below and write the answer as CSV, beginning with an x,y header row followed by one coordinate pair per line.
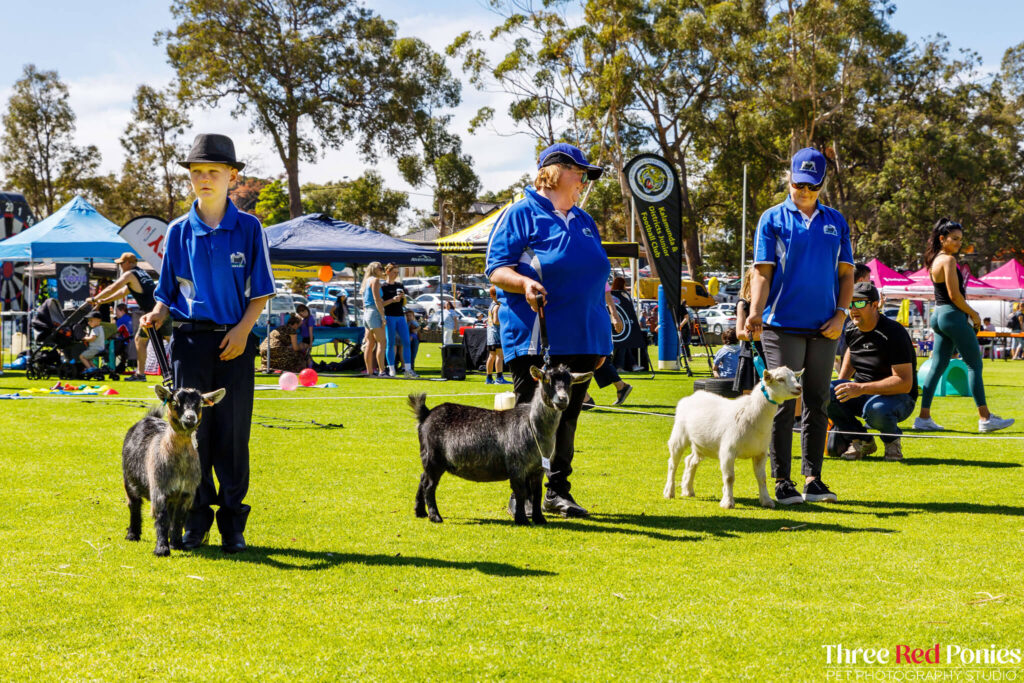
x,y
957,507
318,560
658,527
960,462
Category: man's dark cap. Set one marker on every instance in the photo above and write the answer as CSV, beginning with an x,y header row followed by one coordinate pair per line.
x,y
865,290
211,148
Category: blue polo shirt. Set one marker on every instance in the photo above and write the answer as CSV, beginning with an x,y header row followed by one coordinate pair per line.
x,y
564,254
806,254
212,273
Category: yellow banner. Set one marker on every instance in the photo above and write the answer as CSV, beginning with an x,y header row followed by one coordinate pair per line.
x,y
286,272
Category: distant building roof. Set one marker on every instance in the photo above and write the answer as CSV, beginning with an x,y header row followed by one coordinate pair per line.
x,y
424,235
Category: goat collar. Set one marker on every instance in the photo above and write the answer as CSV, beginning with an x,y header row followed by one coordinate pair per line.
x,y
764,390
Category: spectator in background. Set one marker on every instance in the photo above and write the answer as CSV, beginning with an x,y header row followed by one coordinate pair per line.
x,y
414,338
728,357
124,319
495,356
987,344
305,329
684,331
448,320
104,309
94,340
284,347
877,380
373,319
1016,324
339,311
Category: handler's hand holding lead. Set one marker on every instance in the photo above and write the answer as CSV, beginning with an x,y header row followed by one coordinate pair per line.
x,y
152,319
532,290
233,343
753,325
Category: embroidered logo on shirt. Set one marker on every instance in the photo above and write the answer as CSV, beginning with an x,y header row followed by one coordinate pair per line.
x,y
238,260
831,230
586,231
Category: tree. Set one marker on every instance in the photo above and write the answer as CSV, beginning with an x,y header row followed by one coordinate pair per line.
x,y
272,207
309,72
152,145
38,154
365,201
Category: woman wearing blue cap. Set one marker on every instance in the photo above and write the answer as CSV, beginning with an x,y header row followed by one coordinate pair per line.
x,y
546,246
801,294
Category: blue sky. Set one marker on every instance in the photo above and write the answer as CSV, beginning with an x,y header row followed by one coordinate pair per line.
x,y
104,50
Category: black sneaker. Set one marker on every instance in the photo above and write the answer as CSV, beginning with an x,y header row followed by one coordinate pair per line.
x,y
136,378
622,394
588,403
786,493
512,506
817,492
563,504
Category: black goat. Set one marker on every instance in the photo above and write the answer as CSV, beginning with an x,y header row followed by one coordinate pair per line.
x,y
493,445
161,464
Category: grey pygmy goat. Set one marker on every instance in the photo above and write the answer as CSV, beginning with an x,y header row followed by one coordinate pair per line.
x,y
493,445
161,464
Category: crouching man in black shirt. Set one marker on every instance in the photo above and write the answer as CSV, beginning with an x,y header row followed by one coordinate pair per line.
x,y
881,361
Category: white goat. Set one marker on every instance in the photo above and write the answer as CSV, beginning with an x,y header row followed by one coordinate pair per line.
x,y
728,429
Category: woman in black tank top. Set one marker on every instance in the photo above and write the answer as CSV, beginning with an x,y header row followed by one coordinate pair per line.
x,y
954,323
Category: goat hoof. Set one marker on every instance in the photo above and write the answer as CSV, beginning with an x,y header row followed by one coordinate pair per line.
x,y
177,545
162,552
688,493
669,492
768,503
421,512
131,536
435,518
727,504
522,521
540,519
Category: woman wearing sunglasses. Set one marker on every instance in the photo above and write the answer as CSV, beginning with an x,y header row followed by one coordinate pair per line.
x,y
800,296
955,325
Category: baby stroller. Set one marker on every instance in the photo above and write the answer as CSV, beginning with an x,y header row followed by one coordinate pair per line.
x,y
55,334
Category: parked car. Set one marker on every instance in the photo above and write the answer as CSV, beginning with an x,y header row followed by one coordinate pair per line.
x,y
476,296
431,302
415,286
317,291
716,321
727,308
466,316
281,306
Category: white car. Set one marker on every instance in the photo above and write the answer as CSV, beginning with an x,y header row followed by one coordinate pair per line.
x,y
431,303
716,321
415,285
726,308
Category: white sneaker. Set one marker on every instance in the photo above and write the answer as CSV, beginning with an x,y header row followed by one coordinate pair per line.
x,y
994,423
927,424
411,374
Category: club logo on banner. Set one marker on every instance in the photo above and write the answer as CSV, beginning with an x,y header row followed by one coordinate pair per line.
x,y
72,283
655,188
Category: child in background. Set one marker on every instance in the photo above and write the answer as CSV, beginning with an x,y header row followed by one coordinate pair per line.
x,y
94,340
728,357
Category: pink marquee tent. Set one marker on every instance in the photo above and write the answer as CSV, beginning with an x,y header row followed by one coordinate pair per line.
x,y
921,288
1008,279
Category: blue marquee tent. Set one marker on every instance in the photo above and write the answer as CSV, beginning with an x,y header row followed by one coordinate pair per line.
x,y
317,238
75,233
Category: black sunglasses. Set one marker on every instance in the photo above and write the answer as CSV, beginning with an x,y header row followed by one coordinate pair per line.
x,y
808,186
859,303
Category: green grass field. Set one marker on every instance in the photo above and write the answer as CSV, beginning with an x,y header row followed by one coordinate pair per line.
x,y
341,581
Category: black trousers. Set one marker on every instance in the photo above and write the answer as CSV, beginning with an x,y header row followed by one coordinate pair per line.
x,y
606,374
524,385
223,434
814,354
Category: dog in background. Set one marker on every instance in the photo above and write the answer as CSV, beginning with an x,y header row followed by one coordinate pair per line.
x,y
713,426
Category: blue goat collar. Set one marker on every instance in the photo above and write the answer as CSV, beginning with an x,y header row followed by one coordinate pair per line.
x,y
768,398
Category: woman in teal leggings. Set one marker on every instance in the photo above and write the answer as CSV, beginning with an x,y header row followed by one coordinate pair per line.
x,y
955,325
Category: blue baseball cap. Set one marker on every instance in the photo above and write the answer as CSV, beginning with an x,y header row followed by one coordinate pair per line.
x,y
808,166
564,153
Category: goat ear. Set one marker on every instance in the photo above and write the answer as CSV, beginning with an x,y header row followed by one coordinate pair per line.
x,y
799,374
213,397
581,377
162,392
536,372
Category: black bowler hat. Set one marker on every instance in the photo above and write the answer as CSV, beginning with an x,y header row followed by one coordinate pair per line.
x,y
211,148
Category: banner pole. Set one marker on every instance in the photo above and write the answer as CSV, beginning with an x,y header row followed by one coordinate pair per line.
x,y
743,228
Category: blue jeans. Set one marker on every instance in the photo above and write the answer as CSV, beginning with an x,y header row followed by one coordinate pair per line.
x,y
398,328
883,413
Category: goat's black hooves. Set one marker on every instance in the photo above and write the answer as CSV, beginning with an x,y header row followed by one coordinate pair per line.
x,y
177,546
521,521
162,552
540,520
436,519
131,536
421,513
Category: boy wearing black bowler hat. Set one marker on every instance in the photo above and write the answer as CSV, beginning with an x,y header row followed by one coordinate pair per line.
x,y
215,280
